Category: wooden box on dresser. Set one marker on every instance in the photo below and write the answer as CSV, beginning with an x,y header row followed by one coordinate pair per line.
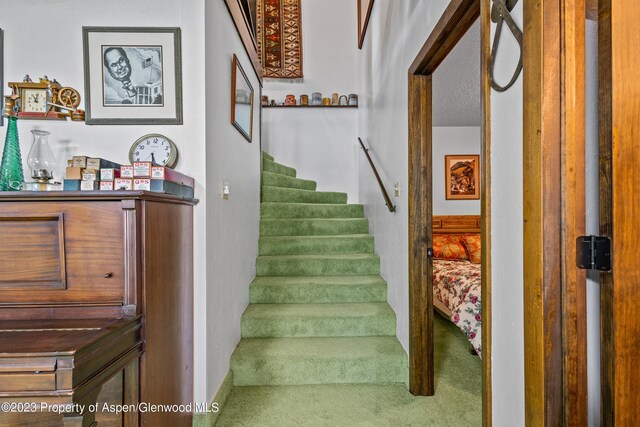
x,y
107,271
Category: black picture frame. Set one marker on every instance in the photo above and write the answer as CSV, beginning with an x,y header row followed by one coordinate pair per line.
x,y
238,120
142,107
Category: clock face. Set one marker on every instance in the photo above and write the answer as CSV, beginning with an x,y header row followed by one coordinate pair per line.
x,y
34,100
154,148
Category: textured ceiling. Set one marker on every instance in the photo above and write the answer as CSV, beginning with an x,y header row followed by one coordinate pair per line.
x,y
456,84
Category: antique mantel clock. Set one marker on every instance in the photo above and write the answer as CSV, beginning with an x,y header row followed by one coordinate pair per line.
x,y
45,99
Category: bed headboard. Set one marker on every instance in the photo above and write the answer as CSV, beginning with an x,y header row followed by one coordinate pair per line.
x,y
455,224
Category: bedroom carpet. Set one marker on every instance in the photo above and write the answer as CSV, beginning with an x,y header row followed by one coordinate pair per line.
x,y
318,343
457,402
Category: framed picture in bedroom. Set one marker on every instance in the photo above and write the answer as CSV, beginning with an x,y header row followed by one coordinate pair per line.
x,y
133,75
462,176
241,100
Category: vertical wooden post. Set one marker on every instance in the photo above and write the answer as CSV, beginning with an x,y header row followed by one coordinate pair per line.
x,y
619,104
421,372
554,294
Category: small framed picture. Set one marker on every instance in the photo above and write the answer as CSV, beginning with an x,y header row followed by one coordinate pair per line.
x,y
132,75
462,177
241,100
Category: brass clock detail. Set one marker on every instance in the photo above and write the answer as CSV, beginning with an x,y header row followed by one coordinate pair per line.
x,y
46,99
154,148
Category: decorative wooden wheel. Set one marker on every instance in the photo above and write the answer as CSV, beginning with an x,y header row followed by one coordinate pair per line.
x,y
69,97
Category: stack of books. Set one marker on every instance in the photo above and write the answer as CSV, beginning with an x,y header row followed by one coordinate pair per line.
x,y
88,174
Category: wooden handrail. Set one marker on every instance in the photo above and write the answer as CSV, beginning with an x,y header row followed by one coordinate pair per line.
x,y
387,200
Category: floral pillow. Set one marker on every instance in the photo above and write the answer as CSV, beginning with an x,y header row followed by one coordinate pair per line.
x,y
449,246
471,243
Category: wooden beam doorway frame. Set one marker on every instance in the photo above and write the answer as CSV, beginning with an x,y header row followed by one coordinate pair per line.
x,y
553,175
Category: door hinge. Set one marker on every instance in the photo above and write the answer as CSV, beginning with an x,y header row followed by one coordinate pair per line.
x,y
593,253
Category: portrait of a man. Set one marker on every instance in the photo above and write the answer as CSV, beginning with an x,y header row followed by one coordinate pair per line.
x,y
133,75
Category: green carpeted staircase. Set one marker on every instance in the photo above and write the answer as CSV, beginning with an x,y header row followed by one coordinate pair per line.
x,y
318,312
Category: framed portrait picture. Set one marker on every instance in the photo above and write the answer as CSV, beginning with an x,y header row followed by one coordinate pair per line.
x,y
462,177
132,75
241,100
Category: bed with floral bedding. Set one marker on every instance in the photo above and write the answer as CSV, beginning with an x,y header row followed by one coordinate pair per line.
x,y
456,283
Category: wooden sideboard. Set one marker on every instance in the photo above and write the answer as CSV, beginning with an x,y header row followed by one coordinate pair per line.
x,y
109,274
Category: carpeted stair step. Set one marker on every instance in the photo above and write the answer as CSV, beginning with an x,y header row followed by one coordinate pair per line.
x,y
310,210
313,227
318,320
317,289
306,245
295,195
277,180
336,360
318,265
267,156
271,166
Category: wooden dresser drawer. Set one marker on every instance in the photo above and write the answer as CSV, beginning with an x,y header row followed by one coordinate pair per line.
x,y
61,253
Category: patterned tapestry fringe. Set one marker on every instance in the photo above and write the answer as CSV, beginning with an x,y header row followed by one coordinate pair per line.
x,y
277,80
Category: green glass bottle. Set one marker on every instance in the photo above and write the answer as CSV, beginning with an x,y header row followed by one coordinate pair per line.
x,y
11,175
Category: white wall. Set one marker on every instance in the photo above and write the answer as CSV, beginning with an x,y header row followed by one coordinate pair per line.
x,y
232,225
397,30
452,140
507,237
320,143
592,221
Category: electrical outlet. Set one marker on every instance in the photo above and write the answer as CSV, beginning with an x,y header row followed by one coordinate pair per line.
x,y
226,189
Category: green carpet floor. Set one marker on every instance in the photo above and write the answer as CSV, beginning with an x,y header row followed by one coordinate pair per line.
x,y
318,340
318,311
457,401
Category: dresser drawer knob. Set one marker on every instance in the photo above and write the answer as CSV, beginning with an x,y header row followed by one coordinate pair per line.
x,y
108,275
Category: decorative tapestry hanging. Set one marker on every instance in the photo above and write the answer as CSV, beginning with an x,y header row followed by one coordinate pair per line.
x,y
280,38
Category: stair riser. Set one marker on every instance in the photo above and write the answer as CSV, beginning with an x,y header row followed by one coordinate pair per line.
x,y
317,267
271,166
317,294
293,371
378,325
310,245
277,180
292,210
313,227
292,195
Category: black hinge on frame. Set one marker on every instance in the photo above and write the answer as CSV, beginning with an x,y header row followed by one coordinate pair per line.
x,y
593,253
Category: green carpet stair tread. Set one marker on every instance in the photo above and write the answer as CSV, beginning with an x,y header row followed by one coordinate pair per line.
x,y
295,195
271,166
267,156
310,210
291,245
318,265
318,320
277,180
317,289
313,227
336,360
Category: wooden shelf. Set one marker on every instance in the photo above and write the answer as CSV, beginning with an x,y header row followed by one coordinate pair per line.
x,y
310,106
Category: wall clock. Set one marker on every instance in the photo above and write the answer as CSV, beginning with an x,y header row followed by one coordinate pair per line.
x,y
154,148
